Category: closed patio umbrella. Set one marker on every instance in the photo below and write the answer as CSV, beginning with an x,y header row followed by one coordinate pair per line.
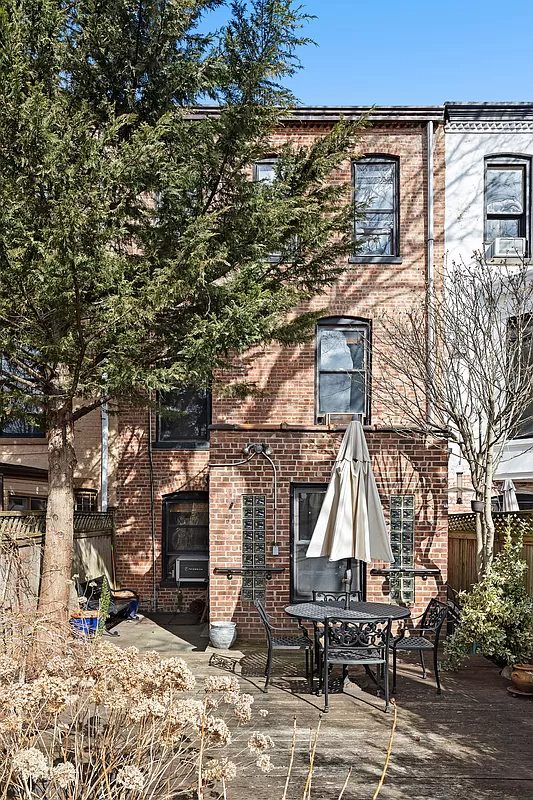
x,y
510,503
351,522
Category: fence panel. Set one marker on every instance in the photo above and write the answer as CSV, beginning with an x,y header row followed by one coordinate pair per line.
x,y
21,544
462,545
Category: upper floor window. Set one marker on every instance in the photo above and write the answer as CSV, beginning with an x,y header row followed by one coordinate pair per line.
x,y
375,180
506,197
184,416
265,170
342,366
17,427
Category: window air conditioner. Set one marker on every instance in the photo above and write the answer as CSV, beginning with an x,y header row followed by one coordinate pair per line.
x,y
506,247
192,570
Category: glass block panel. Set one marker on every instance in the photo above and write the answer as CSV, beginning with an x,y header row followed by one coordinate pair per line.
x,y
402,587
254,545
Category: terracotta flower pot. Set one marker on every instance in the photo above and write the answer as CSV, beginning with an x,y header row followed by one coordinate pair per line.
x,y
522,677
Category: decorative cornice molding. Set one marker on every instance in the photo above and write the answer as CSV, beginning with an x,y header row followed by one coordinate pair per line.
x,y
494,126
488,117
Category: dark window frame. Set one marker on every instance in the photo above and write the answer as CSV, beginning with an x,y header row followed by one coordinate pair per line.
x,y
176,498
394,255
523,432
513,161
187,443
344,323
82,494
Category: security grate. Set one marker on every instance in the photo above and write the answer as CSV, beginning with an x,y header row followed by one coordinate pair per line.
x,y
253,545
402,535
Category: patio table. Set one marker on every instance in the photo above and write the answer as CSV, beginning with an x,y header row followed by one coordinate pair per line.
x,y
317,611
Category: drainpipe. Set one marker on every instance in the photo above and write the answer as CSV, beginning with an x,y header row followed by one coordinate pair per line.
x,y
104,478
152,509
430,275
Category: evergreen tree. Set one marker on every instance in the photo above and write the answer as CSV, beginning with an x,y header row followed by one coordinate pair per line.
x,y
134,248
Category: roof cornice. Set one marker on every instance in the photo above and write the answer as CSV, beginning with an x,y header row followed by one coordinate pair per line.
x,y
488,117
319,114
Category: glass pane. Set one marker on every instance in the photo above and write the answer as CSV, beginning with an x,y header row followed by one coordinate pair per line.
x,y
184,416
193,513
11,426
375,185
17,503
38,504
503,227
375,232
505,191
341,349
182,538
317,573
264,172
309,504
341,393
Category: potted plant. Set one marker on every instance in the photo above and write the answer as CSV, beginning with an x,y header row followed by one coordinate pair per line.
x,y
496,614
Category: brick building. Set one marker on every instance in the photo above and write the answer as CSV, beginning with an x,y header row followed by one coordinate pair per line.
x,y
188,485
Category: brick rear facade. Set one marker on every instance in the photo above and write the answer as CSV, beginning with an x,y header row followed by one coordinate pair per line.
x,y
284,417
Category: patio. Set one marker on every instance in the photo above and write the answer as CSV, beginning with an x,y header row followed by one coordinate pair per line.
x,y
474,741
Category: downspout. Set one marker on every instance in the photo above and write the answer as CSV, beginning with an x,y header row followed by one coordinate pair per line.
x,y
430,275
275,548
152,509
104,477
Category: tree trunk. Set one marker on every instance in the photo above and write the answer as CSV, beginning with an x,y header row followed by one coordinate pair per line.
x,y
57,558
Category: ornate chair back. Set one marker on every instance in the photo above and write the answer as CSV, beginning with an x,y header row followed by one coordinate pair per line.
x,y
358,638
341,599
434,616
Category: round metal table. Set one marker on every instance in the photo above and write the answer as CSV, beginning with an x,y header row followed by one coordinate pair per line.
x,y
317,612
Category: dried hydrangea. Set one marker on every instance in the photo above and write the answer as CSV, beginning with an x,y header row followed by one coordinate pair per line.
x,y
147,707
30,764
221,683
64,774
263,712
216,770
243,708
8,667
216,731
264,763
130,778
11,724
258,743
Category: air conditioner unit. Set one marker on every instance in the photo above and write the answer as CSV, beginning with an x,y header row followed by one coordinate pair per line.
x,y
192,570
506,247
340,419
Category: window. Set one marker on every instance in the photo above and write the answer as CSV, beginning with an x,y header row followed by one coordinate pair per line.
x,y
183,418
185,530
25,503
402,537
314,573
14,428
520,351
375,180
506,197
85,500
342,366
265,171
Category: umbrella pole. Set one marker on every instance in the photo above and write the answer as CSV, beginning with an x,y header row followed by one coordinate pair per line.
x,y
347,580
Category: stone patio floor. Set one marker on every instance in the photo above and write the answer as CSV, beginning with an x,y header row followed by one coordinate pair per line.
x,y
474,742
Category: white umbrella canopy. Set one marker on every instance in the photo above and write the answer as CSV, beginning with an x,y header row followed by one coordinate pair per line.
x,y
510,503
351,522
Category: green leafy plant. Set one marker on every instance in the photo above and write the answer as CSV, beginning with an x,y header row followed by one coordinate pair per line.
x,y
105,600
497,614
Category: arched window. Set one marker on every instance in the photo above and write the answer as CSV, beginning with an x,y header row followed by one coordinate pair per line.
x,y
507,198
342,367
376,189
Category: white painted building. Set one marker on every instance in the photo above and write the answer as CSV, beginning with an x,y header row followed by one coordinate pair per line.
x,y
489,155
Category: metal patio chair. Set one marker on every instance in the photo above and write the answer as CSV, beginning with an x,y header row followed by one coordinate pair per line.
x,y
362,641
342,599
281,639
431,622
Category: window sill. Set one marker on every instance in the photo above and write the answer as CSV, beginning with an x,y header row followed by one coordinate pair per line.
x,y
181,445
375,260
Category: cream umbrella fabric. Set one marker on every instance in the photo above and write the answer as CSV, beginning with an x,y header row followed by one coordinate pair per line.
x,y
351,522
510,503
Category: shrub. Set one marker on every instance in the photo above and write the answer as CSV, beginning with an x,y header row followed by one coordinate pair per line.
x,y
496,614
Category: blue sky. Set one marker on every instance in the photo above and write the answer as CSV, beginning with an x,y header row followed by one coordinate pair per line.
x,y
416,52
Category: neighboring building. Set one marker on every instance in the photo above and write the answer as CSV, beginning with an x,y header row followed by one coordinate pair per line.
x,y
489,153
24,465
186,490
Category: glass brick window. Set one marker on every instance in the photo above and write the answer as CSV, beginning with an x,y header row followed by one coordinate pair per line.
x,y
402,535
253,545
506,197
375,181
185,529
184,415
342,366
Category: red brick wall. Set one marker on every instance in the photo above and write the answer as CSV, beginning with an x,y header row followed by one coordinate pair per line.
x,y
286,376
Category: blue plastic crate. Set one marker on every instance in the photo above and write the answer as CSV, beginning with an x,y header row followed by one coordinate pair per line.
x,y
84,626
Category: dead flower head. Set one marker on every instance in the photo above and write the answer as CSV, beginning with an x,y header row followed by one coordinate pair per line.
x,y
130,778
64,774
30,764
264,763
258,743
216,770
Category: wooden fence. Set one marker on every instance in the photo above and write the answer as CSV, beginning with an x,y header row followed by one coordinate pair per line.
x,y
462,545
21,540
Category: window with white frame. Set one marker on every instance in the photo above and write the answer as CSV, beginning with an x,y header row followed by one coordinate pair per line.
x,y
265,170
342,366
376,192
507,197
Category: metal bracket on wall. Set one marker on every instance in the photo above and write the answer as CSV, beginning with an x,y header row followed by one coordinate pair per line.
x,y
417,572
229,572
